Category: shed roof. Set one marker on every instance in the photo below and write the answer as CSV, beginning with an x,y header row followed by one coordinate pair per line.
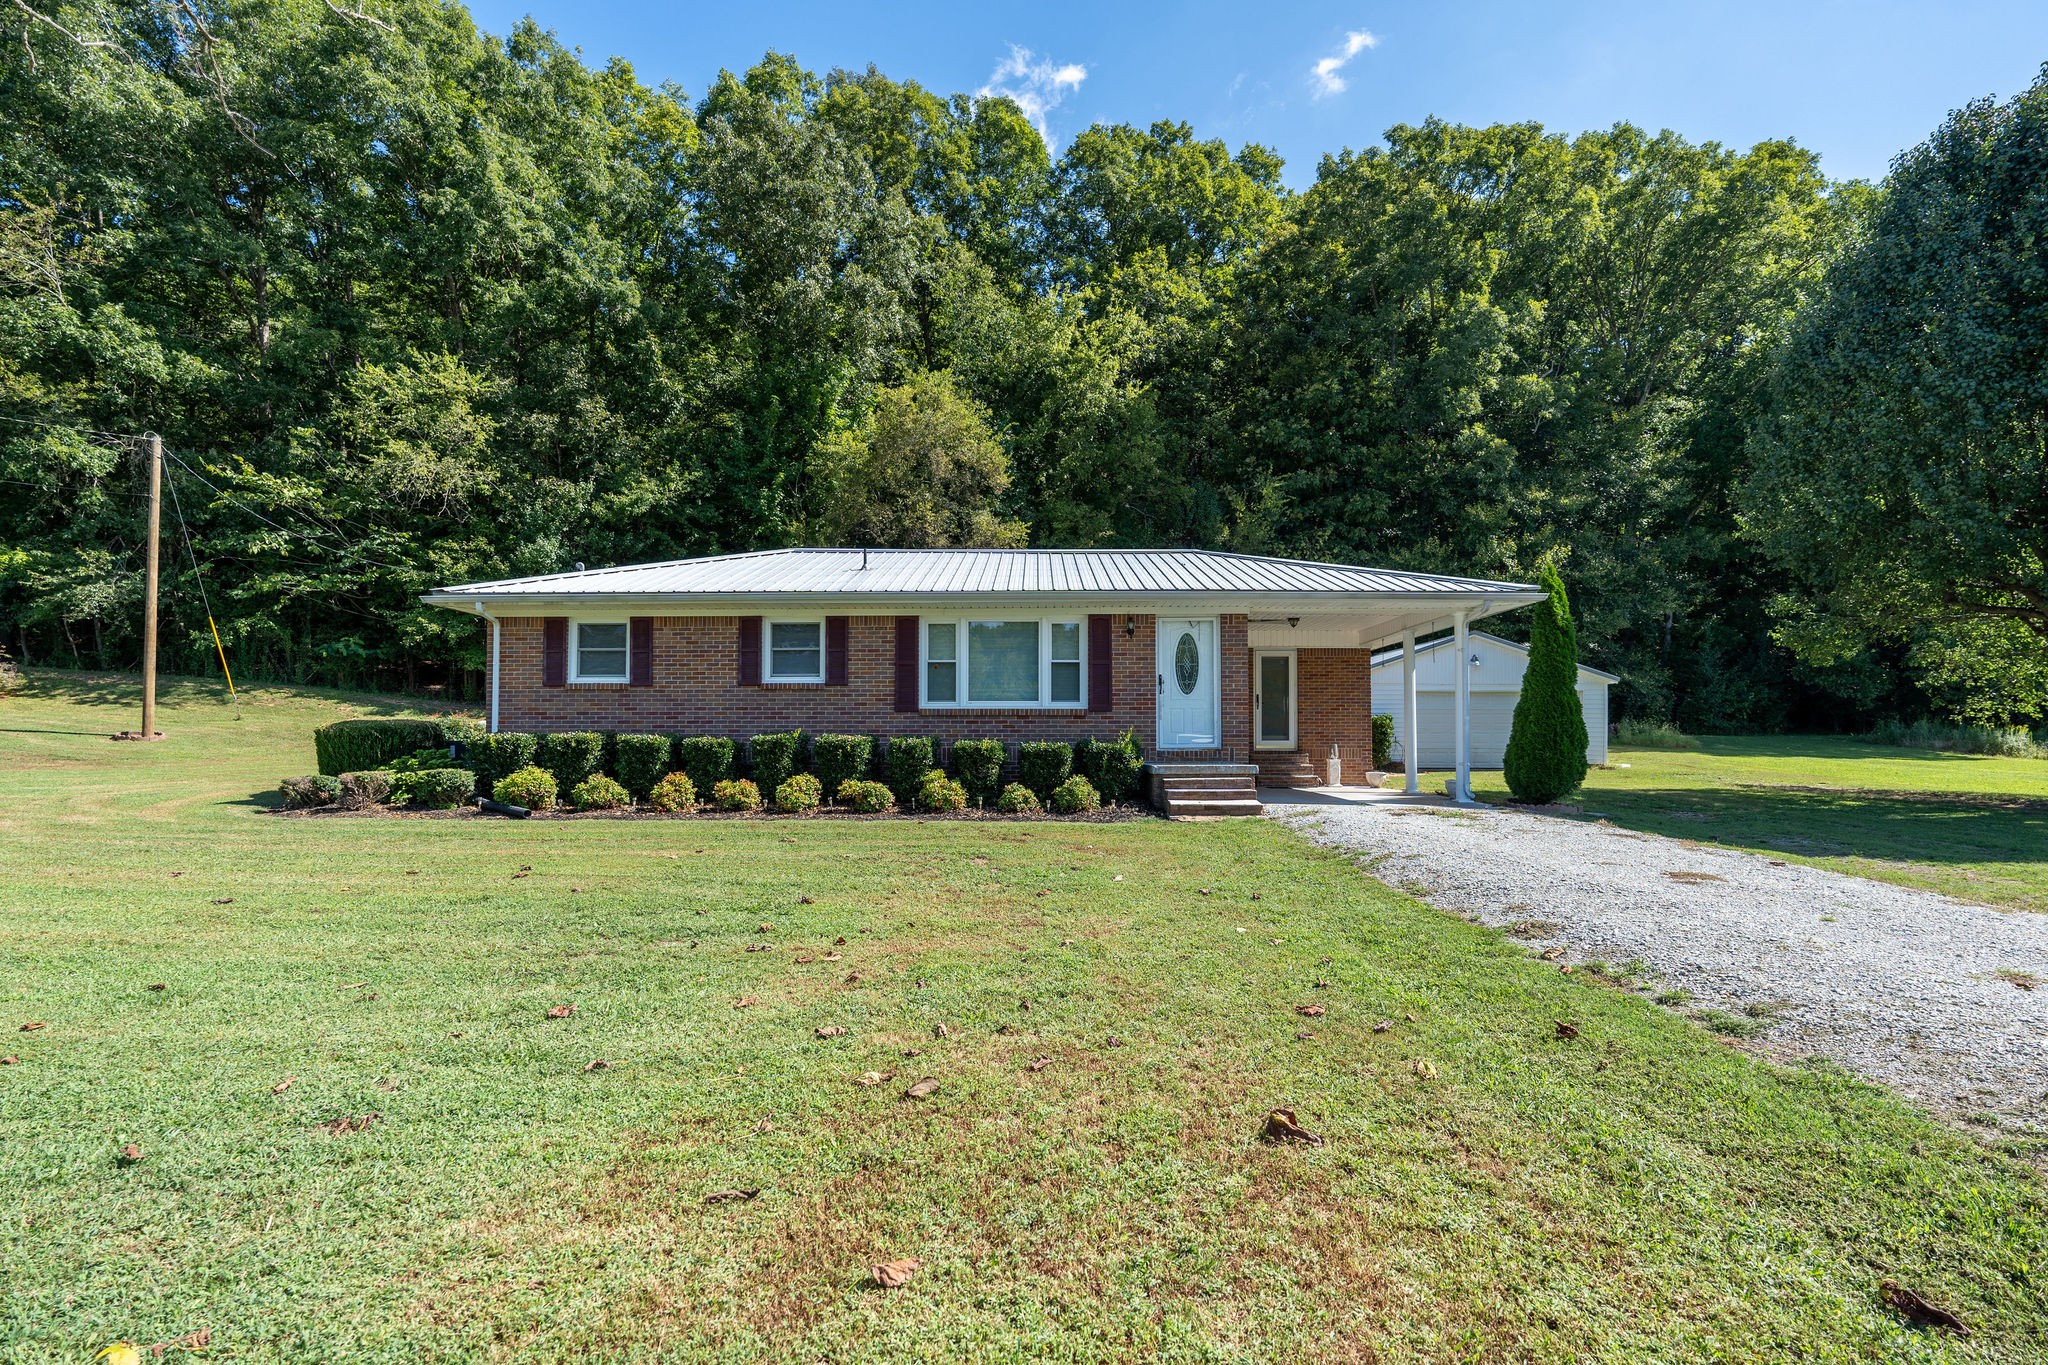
x,y
814,573
1384,657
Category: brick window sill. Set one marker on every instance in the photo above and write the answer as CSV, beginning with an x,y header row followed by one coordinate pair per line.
x,y
1057,712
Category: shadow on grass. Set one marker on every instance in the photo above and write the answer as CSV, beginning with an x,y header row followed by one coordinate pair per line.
x,y
125,689
1924,827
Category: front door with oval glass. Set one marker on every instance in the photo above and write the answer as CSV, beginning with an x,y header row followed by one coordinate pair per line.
x,y
1273,699
1187,685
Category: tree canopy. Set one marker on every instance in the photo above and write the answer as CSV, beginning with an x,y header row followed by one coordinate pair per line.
x,y
413,304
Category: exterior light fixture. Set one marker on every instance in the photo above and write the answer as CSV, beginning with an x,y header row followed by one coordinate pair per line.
x,y
1130,626
1293,621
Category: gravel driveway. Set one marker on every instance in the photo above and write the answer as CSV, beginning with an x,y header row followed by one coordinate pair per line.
x,y
1907,988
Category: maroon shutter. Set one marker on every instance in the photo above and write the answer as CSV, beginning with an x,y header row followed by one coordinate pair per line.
x,y
640,651
906,663
835,650
1101,693
554,651
750,651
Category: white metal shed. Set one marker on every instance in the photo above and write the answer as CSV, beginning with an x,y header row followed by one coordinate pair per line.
x,y
1495,667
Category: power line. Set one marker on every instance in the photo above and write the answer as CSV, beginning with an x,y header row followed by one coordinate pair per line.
x,y
199,578
325,542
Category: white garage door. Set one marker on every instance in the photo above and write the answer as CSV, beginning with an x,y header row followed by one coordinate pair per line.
x,y
1493,717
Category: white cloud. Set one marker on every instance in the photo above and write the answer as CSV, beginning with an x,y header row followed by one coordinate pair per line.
x,y
1324,73
1034,83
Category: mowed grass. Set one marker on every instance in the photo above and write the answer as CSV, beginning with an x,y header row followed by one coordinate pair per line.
x,y
1962,824
1489,1191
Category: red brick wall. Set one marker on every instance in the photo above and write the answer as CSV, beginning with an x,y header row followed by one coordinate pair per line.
x,y
696,691
1332,705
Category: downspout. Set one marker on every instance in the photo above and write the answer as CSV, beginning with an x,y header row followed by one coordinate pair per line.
x,y
1411,727
1462,783
494,664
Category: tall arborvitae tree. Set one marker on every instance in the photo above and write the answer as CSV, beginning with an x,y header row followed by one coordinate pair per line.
x,y
1546,755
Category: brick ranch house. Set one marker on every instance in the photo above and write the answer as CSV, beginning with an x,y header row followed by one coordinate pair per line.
x,y
1225,665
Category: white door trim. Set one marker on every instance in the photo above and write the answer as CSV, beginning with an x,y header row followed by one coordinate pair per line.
x,y
1259,741
1208,665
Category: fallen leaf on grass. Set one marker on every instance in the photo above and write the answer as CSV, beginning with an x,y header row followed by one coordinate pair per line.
x,y
230,900
1425,1070
928,1086
835,957
283,1085
913,1052
731,1196
806,900
1309,1011
1551,954
764,1126
33,1026
852,977
802,958
1409,1017
129,1155
1305,1036
1038,1064
196,1341
156,986
351,1123
763,928
832,1031
387,1085
873,1078
1565,1030
1112,1041
10,1060
119,1353
1007,1029
560,1011
352,986
600,1064
1917,1310
746,1002
1322,985
1383,1026
1281,1126
896,1274
757,947
517,875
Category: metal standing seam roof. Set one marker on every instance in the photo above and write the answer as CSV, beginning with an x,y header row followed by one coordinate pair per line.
x,y
829,572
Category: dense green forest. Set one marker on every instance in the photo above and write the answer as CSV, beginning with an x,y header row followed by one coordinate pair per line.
x,y
411,305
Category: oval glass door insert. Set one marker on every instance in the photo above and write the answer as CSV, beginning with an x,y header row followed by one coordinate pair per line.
x,y
1187,663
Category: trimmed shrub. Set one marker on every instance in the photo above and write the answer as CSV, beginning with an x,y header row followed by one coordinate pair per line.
x,y
533,787
774,758
1018,799
839,759
406,773
799,791
444,788
736,793
868,798
1043,764
939,792
908,759
598,792
1546,754
674,794
1382,742
463,730
1112,765
571,756
642,761
365,789
499,756
1075,795
303,793
706,758
978,763
348,746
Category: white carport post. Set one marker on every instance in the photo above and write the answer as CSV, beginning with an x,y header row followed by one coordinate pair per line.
x,y
1462,784
1411,728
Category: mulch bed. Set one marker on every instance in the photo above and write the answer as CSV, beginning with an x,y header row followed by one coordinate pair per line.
x,y
1108,815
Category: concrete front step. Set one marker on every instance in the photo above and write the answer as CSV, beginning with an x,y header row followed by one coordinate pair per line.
x,y
1176,810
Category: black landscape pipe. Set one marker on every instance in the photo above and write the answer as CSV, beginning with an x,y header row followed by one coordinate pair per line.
x,y
485,803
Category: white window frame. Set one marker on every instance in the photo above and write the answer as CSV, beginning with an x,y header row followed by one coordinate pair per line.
x,y
768,674
576,674
1045,621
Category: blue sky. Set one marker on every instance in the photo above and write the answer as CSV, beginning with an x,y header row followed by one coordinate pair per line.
x,y
1854,81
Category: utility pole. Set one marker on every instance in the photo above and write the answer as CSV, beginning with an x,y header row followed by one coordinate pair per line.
x,y
156,507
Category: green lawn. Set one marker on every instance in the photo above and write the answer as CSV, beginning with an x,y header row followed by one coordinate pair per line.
x,y
1489,1191
1962,824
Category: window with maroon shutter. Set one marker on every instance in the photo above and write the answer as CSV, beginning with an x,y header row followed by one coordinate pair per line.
x,y
835,650
906,663
554,651
1101,690
640,651
750,651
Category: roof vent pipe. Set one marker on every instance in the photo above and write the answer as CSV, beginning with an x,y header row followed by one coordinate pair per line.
x,y
863,556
